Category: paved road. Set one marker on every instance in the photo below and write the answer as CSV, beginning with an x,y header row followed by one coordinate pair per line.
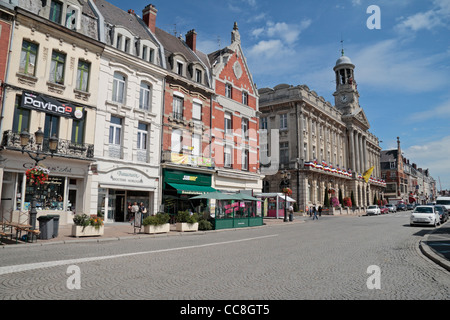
x,y
325,259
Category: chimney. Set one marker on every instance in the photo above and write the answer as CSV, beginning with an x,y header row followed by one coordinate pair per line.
x,y
191,39
149,17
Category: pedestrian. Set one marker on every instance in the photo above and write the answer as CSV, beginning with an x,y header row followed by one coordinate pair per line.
x,y
320,211
315,213
143,210
134,210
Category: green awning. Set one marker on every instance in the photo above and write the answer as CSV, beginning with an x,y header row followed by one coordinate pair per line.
x,y
191,189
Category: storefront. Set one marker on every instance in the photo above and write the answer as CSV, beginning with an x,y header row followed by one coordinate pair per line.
x,y
119,188
180,186
275,204
64,192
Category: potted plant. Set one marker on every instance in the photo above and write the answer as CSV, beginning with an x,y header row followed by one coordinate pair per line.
x,y
158,223
186,221
85,226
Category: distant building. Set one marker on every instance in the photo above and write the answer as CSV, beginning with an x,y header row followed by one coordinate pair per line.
x,y
325,148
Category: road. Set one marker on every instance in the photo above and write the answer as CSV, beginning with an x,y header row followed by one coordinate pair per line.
x,y
332,258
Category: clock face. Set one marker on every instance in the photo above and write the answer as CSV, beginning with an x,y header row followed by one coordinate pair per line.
x,y
344,98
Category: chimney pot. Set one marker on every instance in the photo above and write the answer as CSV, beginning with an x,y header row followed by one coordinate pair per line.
x,y
191,39
149,17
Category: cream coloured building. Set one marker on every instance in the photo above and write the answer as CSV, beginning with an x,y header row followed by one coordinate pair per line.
x,y
325,148
51,84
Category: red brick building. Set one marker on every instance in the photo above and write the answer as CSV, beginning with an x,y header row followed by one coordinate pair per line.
x,y
6,18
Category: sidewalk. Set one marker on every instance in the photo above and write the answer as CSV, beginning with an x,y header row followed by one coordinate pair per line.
x,y
436,245
125,230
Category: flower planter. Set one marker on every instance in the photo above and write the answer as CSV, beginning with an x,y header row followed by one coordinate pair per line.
x,y
151,229
187,227
89,231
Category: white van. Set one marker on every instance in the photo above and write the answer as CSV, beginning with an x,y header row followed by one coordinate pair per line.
x,y
445,201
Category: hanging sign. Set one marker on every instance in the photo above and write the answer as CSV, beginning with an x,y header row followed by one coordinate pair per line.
x,y
50,105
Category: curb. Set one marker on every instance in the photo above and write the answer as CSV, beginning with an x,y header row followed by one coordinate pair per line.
x,y
430,254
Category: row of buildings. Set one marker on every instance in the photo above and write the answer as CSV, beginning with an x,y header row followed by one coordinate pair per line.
x,y
144,116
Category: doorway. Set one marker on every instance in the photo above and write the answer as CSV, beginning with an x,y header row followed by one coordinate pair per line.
x,y
120,208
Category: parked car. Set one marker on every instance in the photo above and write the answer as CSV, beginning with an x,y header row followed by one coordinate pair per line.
x,y
410,206
425,215
391,207
373,210
401,206
443,212
384,210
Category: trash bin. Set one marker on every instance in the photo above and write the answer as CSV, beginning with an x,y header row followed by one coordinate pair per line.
x,y
55,224
291,216
45,227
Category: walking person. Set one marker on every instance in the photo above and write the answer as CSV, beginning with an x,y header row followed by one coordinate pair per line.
x,y
134,210
315,213
143,210
320,211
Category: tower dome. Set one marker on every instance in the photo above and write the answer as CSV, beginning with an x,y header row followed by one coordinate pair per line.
x,y
343,60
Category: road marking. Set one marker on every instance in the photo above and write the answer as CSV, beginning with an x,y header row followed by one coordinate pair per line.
x,y
47,264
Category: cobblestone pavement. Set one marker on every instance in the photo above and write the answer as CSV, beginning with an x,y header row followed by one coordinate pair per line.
x,y
324,259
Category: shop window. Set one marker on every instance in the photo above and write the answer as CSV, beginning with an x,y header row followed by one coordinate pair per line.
x,y
21,119
50,195
28,58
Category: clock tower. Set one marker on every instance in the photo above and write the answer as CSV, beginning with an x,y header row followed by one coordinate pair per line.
x,y
346,96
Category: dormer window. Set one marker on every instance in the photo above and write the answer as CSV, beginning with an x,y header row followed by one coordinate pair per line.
x,y
179,68
56,11
198,76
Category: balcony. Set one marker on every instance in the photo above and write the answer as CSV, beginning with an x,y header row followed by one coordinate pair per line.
x,y
66,148
187,159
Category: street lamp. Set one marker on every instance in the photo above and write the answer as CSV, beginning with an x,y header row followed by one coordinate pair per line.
x,y
37,155
285,182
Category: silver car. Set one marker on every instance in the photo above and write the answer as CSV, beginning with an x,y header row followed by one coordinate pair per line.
x,y
391,207
425,215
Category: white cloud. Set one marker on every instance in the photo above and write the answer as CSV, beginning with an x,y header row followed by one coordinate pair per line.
x,y
440,112
433,155
387,65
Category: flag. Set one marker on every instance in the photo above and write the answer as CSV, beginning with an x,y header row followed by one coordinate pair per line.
x,y
368,173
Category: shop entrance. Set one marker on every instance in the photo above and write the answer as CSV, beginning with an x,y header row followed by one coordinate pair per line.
x,y
120,208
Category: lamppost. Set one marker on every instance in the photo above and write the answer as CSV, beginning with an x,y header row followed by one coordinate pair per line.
x,y
285,182
37,155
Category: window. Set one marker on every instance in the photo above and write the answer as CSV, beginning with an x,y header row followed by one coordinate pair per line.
x,y
127,45
21,120
78,131
263,123
115,130
28,58
228,91
245,98
244,127
196,111
227,156
51,126
179,68
119,42
314,152
118,88
196,145
283,121
142,136
284,152
228,124
57,67
144,52
198,76
392,165
178,107
305,150
83,75
245,159
145,96
55,11
151,56
177,135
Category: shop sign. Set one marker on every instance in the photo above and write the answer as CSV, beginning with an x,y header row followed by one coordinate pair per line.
x,y
190,160
178,176
51,106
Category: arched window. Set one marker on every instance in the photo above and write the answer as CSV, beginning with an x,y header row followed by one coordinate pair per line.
x,y
145,96
118,94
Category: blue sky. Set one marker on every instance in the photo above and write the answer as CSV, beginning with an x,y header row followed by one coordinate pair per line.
x,y
402,69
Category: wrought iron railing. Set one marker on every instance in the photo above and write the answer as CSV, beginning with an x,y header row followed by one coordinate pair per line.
x,y
66,148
